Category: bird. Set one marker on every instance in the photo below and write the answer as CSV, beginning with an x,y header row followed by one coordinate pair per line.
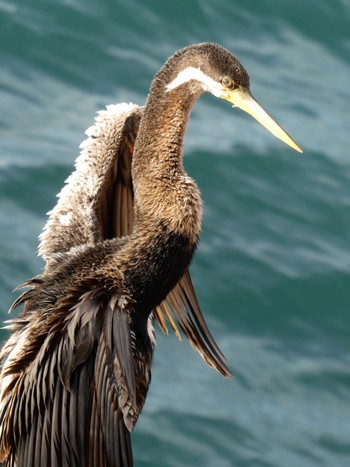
x,y
76,367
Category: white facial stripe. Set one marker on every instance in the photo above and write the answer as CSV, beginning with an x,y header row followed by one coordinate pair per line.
x,y
191,73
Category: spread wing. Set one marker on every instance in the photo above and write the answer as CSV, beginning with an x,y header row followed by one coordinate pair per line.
x,y
71,396
97,203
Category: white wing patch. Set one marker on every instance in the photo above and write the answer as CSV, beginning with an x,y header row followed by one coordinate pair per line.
x,y
191,73
65,219
151,331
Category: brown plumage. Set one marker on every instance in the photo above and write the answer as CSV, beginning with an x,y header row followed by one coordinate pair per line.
x,y
76,368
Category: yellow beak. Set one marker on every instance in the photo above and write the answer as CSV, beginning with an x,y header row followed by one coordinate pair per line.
x,y
242,98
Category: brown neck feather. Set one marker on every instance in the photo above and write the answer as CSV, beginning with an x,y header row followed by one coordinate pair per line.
x,y
163,191
167,202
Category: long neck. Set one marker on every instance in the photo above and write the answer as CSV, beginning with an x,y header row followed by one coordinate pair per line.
x,y
167,201
158,151
163,191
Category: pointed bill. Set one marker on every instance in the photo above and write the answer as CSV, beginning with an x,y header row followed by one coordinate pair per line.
x,y
242,98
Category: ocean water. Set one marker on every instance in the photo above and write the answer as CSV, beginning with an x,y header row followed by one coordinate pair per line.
x,y
272,271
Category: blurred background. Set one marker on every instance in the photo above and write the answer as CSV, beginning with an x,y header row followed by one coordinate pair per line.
x,y
273,267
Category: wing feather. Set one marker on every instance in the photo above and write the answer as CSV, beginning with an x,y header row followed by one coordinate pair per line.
x,y
70,406
83,211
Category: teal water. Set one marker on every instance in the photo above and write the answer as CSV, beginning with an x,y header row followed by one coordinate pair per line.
x,y
273,268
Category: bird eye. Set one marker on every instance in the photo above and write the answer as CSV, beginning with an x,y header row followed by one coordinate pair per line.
x,y
227,82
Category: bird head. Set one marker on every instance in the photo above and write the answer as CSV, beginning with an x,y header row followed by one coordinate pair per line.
x,y
208,67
